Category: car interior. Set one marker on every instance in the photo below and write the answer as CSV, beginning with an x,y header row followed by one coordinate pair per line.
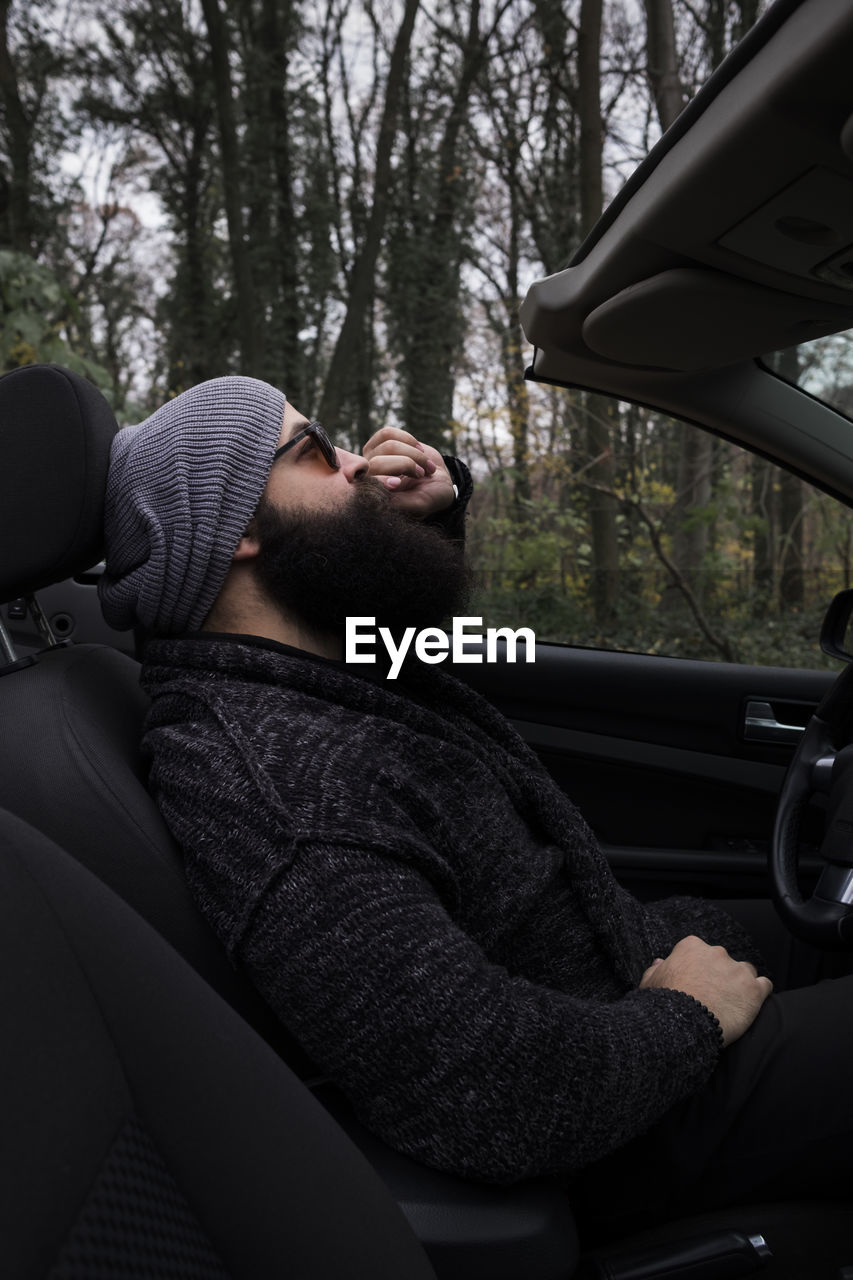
x,y
160,1121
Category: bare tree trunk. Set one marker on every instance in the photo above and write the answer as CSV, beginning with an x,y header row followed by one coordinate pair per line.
x,y
791,509
278,33
603,507
791,543
437,322
589,113
365,362
748,16
715,31
361,279
764,535
16,226
189,357
690,541
232,185
553,211
518,401
662,61
267,179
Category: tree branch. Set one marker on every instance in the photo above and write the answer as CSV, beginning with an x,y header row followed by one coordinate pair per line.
x,y
632,503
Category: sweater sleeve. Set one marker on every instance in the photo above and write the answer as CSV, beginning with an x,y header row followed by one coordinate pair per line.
x,y
445,1055
452,519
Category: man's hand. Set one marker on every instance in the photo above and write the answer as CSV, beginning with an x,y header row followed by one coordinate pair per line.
x,y
414,473
730,988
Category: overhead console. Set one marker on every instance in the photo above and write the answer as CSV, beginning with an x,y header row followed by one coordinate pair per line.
x,y
805,230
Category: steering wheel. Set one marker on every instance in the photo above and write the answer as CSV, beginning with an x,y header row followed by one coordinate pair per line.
x,y
823,763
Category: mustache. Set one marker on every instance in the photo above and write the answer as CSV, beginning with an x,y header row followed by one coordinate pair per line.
x,y
373,485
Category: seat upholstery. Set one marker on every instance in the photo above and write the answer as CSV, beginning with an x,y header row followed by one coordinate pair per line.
x,y
70,765
55,432
146,1129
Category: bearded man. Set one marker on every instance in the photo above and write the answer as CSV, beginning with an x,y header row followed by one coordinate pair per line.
x,y
394,869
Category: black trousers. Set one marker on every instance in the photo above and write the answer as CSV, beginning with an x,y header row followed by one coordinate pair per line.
x,y
774,1122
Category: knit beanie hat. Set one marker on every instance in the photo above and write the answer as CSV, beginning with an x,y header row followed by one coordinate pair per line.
x,y
182,487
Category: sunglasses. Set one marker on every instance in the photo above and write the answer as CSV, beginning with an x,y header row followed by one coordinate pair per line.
x,y
324,444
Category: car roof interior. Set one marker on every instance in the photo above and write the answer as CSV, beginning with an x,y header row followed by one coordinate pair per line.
x,y
733,239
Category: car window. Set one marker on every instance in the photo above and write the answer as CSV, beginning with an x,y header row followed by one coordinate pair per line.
x,y
823,367
634,531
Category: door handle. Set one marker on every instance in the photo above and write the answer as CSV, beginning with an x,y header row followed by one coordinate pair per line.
x,y
761,725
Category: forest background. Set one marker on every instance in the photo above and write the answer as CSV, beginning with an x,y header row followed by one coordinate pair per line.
x,y
349,199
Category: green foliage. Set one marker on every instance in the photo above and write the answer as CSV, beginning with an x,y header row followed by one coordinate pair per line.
x,y
651,618
687,581
35,310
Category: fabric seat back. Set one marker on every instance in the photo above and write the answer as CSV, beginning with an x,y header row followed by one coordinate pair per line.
x,y
146,1129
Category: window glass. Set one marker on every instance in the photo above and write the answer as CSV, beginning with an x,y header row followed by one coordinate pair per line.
x,y
823,367
633,531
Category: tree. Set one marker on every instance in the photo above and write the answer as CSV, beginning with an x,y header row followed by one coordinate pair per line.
x,y
662,62
151,79
430,243
508,94
364,265
276,138
17,217
34,316
232,184
603,507
33,124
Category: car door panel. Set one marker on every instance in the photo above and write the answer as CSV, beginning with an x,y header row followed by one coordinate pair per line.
x,y
657,754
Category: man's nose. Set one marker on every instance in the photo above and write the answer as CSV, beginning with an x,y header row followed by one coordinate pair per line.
x,y
353,465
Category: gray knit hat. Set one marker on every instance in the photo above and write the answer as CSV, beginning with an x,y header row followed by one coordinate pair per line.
x,y
181,489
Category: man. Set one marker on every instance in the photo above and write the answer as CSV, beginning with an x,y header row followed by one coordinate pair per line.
x,y
391,865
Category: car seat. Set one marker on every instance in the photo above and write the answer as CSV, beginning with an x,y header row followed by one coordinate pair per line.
x,y
147,1131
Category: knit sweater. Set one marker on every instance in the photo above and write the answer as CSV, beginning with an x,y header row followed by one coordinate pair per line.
x,y
423,907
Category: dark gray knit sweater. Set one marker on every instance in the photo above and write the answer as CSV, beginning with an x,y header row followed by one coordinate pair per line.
x,y
423,907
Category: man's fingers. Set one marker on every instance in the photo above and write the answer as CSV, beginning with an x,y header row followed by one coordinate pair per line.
x,y
393,465
415,475
397,448
392,446
390,435
654,964
391,442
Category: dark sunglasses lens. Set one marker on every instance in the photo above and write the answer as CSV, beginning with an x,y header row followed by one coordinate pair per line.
x,y
326,446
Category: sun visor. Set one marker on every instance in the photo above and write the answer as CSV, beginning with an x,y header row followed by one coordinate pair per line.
x,y
688,319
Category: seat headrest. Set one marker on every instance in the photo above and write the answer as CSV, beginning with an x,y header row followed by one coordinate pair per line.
x,y
55,435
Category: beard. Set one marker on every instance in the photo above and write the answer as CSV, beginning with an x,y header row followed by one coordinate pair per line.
x,y
365,558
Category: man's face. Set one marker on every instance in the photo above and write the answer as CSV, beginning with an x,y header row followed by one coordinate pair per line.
x,y
357,557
